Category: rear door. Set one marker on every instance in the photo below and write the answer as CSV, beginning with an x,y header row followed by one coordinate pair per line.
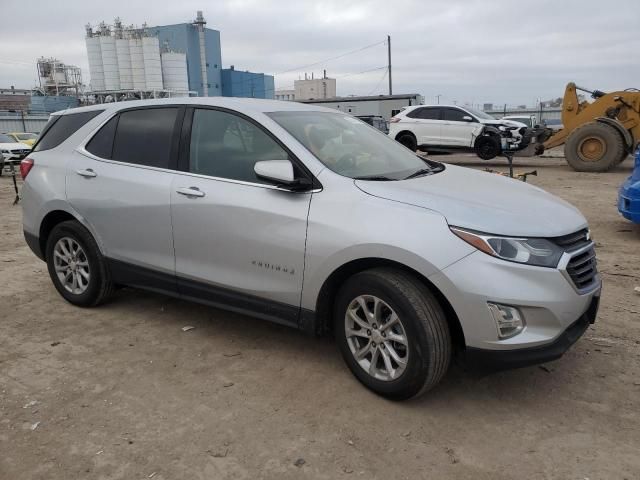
x,y
120,183
456,131
239,240
426,125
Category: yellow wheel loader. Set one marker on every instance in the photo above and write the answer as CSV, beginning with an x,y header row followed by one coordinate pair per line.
x,y
599,135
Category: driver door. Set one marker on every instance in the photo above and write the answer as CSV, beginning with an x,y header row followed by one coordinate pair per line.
x,y
458,127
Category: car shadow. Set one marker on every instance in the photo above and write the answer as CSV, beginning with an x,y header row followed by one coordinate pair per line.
x,y
246,332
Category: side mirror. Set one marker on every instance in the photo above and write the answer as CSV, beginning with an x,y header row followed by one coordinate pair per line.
x,y
468,118
279,171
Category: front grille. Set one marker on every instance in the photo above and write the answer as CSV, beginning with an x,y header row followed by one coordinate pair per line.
x,y
573,241
582,268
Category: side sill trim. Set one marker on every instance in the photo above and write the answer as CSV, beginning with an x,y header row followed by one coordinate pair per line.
x,y
224,298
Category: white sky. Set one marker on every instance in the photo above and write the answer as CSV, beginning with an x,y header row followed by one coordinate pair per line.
x,y
470,51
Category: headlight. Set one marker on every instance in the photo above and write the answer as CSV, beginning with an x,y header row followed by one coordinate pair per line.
x,y
5,151
532,251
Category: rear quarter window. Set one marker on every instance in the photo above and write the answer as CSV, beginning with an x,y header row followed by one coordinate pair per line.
x,y
101,144
144,137
61,127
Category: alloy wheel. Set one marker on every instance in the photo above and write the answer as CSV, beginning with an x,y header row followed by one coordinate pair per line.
x,y
71,265
376,337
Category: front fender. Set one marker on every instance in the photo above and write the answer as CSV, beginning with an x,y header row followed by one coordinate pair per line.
x,y
349,225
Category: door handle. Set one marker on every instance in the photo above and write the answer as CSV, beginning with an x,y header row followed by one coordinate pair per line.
x,y
190,192
88,173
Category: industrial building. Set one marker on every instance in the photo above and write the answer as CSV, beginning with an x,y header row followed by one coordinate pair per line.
x,y
164,61
287,95
236,83
128,62
309,89
315,88
203,53
385,106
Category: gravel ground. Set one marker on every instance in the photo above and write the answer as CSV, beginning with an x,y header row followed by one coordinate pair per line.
x,y
122,392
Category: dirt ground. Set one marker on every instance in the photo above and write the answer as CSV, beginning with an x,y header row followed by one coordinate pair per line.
x,y
121,392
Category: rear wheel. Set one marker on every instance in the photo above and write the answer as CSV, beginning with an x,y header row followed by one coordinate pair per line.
x,y
392,333
76,266
594,147
408,140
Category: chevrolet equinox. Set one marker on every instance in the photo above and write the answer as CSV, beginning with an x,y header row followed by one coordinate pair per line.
x,y
311,218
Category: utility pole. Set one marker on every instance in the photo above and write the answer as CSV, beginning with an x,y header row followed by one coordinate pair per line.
x,y
389,66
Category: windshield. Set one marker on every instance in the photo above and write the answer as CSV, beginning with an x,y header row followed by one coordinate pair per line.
x,y
350,147
6,139
479,114
26,136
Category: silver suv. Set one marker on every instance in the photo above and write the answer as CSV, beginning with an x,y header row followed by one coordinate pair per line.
x,y
310,218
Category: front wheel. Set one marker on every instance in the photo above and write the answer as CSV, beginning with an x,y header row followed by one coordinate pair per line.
x,y
392,333
594,147
488,147
76,266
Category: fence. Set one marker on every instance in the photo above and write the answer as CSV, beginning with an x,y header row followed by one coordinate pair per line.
x,y
22,122
541,114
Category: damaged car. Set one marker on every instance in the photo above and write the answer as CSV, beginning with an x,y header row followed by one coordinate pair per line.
x,y
451,128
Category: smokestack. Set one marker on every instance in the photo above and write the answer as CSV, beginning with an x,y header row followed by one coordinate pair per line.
x,y
199,23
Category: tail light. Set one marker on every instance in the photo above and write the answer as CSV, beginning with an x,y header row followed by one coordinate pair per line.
x,y
25,167
394,120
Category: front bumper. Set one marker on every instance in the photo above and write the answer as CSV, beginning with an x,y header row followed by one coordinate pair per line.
x,y
629,200
13,158
494,360
547,299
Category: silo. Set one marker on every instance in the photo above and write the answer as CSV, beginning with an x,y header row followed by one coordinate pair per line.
x,y
174,72
137,64
152,65
110,62
124,63
94,55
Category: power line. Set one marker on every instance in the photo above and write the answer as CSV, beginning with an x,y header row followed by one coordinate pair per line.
x,y
332,58
15,62
384,74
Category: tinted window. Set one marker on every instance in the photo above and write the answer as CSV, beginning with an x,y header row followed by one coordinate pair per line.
x,y
228,146
455,115
425,113
144,137
6,139
101,144
62,127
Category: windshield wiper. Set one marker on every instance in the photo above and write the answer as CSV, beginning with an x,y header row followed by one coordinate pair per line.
x,y
378,178
419,173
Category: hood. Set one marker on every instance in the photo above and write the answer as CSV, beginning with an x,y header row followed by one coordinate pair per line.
x,y
508,123
483,201
14,146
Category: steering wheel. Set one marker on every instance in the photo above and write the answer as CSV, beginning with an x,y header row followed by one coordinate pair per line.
x,y
346,162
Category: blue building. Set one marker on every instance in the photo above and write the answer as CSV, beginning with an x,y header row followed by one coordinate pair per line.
x,y
183,37
236,83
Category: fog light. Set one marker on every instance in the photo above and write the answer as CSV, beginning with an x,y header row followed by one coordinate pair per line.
x,y
509,320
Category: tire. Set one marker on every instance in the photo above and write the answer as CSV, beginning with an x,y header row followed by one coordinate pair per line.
x,y
421,323
625,154
408,140
488,147
88,259
594,147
